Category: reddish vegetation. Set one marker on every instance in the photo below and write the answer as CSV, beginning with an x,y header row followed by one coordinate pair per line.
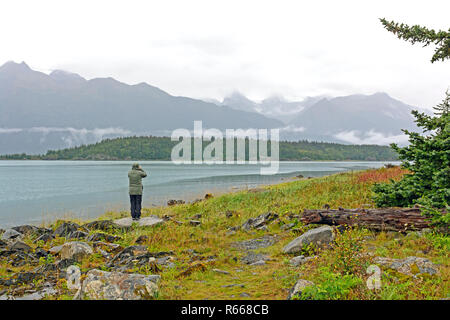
x,y
381,175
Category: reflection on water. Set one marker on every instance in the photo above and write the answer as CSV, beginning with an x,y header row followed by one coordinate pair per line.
x,y
38,191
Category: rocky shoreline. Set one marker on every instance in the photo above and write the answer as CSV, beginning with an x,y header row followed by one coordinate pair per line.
x,y
59,263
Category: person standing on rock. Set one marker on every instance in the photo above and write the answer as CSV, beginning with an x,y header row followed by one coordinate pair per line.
x,y
135,176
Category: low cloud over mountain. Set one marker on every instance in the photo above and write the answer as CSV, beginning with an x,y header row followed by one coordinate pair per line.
x,y
355,119
67,105
41,111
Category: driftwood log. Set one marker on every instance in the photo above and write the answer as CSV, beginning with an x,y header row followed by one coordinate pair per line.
x,y
383,219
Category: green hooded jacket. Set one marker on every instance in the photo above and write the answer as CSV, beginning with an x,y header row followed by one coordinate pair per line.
x,y
135,176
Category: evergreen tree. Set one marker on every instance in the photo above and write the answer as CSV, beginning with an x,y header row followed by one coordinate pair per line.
x,y
428,155
441,39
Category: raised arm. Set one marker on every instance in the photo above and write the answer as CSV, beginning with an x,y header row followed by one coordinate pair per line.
x,y
143,173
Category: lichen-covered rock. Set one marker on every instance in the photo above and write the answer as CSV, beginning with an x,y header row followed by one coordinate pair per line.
x,y
319,237
101,285
298,288
411,266
75,250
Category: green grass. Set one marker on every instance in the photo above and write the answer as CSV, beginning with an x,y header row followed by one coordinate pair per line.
x,y
334,278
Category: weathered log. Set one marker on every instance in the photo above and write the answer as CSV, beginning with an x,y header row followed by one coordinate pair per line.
x,y
383,219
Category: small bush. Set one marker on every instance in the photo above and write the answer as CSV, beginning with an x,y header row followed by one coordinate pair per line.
x,y
347,250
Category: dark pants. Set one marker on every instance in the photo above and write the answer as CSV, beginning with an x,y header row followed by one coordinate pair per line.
x,y
136,202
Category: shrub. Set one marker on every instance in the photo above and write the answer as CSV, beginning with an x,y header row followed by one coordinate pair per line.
x,y
347,250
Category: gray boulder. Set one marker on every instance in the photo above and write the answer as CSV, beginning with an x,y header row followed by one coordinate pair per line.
x,y
101,285
411,266
320,237
10,234
143,222
298,288
20,246
75,250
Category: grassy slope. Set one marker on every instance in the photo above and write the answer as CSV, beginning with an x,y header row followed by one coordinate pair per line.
x,y
272,281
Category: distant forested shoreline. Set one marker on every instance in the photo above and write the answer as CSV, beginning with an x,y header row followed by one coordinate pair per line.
x,y
160,148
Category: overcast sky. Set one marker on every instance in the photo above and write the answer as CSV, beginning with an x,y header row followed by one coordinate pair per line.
x,y
207,49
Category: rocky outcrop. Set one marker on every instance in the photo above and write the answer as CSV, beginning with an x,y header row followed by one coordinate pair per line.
x,y
319,237
101,285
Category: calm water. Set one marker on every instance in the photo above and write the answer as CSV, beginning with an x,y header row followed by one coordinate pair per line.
x,y
33,192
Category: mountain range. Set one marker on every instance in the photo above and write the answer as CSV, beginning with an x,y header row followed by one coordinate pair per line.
x,y
356,119
40,111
